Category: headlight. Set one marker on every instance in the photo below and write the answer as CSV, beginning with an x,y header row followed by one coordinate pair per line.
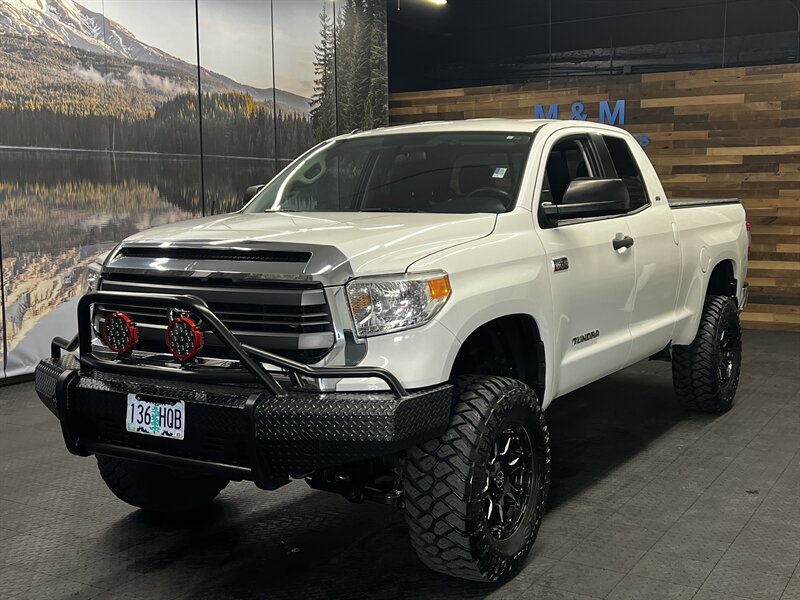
x,y
385,304
93,277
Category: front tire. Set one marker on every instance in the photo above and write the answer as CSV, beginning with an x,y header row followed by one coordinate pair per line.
x,y
474,498
705,374
156,488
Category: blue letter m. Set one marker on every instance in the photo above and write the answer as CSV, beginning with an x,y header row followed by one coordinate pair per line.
x,y
617,117
552,112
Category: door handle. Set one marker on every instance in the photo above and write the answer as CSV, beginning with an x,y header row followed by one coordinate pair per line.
x,y
620,243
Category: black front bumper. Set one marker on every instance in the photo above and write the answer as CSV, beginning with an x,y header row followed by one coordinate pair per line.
x,y
245,432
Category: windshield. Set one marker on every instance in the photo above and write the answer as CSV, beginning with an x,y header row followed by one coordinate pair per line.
x,y
461,172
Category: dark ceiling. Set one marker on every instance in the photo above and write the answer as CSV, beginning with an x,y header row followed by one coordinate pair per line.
x,y
480,42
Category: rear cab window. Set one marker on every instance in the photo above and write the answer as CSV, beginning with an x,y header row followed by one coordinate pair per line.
x,y
628,171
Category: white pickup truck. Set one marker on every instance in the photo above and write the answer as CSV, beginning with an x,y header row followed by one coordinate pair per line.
x,y
389,318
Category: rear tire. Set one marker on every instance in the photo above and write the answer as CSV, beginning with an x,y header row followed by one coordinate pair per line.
x,y
474,498
156,488
705,374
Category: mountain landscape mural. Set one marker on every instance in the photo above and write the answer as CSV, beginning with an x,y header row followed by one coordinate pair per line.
x,y
72,78
108,127
103,134
67,23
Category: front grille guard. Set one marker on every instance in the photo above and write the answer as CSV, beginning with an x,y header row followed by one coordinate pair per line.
x,y
249,356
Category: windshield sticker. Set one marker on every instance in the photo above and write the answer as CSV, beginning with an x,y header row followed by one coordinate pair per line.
x,y
499,172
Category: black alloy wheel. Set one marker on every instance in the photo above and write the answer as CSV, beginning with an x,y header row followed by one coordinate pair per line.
x,y
509,473
730,349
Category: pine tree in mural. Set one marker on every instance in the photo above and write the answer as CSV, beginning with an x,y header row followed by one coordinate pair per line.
x,y
376,104
323,102
346,30
351,81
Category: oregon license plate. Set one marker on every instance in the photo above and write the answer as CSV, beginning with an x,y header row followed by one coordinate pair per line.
x,y
155,418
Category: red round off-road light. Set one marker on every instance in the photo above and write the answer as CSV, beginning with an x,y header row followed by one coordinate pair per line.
x,y
119,332
184,338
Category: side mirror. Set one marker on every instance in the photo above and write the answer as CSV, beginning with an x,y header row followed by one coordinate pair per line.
x,y
251,192
589,198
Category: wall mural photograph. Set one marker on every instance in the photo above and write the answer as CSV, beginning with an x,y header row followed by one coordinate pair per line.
x,y
108,126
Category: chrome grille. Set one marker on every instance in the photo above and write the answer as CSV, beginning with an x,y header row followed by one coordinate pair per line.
x,y
290,319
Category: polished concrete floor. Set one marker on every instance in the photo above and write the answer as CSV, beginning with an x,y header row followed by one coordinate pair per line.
x,y
647,502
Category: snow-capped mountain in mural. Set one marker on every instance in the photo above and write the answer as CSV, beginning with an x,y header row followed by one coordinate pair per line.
x,y
71,24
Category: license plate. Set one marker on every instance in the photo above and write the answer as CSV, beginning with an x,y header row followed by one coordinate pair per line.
x,y
155,418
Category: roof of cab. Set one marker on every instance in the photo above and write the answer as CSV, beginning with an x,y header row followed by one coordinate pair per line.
x,y
499,125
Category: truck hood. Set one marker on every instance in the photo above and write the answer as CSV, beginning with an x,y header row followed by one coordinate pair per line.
x,y
342,245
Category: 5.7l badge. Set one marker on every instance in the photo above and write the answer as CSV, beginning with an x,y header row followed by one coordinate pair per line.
x,y
560,264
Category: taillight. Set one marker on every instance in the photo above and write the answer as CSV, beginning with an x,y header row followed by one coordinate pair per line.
x,y
749,236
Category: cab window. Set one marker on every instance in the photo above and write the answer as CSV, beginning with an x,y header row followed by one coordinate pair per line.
x,y
627,170
568,160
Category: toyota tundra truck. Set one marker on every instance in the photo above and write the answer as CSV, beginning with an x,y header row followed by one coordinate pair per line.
x,y
389,318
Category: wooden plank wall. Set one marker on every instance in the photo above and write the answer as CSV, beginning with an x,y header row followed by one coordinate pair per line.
x,y
714,133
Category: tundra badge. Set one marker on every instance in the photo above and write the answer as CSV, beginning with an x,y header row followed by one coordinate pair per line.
x,y
585,337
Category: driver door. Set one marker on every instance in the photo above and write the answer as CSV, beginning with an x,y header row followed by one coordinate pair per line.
x,y
592,283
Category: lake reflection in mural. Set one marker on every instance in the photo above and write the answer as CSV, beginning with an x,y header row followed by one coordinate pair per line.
x,y
59,210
